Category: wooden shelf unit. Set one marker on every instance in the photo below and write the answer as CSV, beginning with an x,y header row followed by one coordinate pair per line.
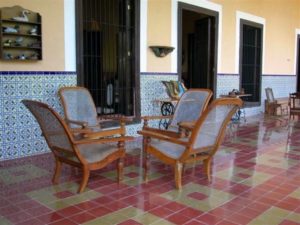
x,y
20,40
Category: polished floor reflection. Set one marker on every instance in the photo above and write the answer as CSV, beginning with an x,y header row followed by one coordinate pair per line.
x,y
255,180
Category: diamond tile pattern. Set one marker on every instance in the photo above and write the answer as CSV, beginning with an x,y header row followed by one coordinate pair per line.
x,y
20,135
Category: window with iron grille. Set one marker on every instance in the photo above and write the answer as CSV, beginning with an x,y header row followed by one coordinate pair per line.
x,y
107,53
251,61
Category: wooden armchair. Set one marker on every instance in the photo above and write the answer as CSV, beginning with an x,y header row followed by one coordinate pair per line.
x,y
206,136
81,115
85,154
272,104
189,108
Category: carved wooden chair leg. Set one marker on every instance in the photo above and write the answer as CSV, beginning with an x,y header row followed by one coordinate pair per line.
x,y
183,168
146,166
57,171
120,169
85,178
207,167
146,162
146,141
178,175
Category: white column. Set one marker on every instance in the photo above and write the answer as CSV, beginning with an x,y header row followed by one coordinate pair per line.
x,y
143,35
70,38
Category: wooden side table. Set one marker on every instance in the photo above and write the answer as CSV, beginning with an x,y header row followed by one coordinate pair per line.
x,y
241,111
167,107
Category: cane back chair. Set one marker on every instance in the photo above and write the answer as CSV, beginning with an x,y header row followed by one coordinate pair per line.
x,y
206,136
86,154
81,114
188,109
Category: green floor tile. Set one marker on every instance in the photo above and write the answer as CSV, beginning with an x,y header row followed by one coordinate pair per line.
x,y
147,219
273,216
27,172
57,205
214,198
4,221
152,175
47,197
296,194
131,212
162,222
294,217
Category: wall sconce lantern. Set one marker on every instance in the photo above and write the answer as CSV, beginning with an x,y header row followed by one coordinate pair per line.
x,y
161,51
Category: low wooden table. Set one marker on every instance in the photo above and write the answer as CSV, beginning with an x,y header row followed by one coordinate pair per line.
x,y
235,96
167,107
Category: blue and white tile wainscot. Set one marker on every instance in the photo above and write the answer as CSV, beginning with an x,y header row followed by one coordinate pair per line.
x,y
151,88
19,133
282,85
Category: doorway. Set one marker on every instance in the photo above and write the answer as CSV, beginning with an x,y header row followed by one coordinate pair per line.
x,y
197,46
251,61
298,63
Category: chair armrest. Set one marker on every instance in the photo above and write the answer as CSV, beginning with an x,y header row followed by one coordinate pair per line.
x,y
116,117
187,125
103,140
81,130
77,122
104,133
169,133
185,128
158,117
150,134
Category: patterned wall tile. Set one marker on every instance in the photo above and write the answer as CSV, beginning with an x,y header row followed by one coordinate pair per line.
x,y
151,89
282,85
227,82
20,135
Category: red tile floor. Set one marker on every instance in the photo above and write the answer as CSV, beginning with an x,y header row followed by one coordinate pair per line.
x,y
256,180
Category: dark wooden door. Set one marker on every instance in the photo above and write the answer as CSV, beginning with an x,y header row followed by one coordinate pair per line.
x,y
251,61
201,50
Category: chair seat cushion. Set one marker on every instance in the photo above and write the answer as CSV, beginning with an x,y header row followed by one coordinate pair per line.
x,y
96,152
169,149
